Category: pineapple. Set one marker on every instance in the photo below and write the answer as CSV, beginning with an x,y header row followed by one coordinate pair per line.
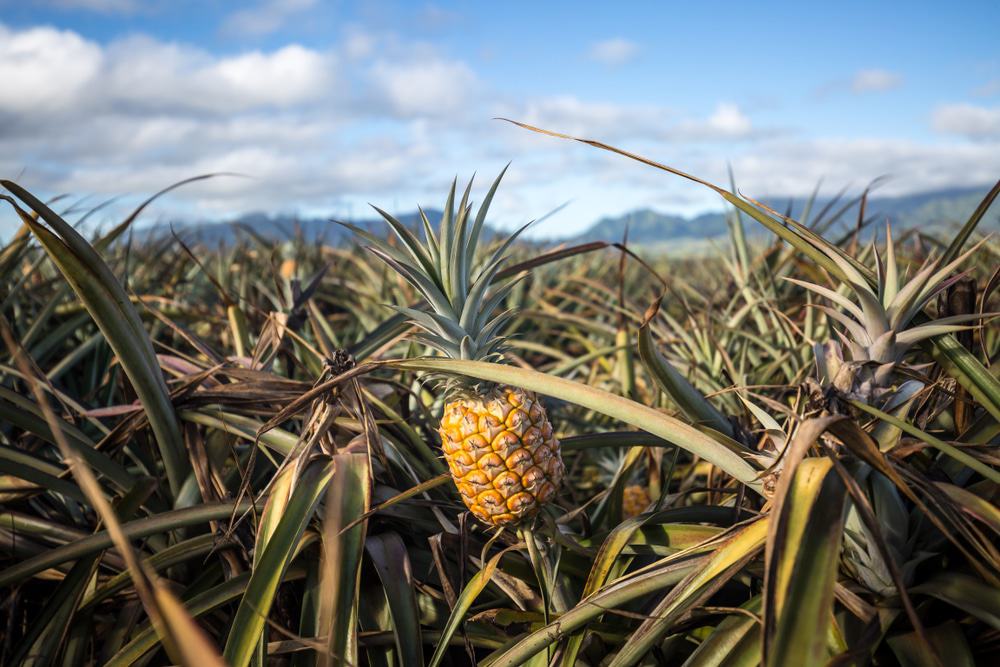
x,y
287,269
635,500
615,468
497,440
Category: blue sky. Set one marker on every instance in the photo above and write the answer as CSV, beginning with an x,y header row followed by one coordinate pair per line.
x,y
329,105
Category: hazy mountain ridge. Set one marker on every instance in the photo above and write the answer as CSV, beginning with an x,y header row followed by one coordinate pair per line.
x,y
645,226
281,227
924,210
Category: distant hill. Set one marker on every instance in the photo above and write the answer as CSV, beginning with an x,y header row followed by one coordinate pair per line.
x,y
280,228
648,226
926,210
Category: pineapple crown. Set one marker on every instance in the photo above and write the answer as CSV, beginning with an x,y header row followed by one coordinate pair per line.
x,y
877,329
460,290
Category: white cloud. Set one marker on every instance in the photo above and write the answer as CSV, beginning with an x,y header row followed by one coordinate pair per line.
x,y
265,18
47,72
290,75
618,122
794,166
968,120
613,52
729,121
45,68
875,81
571,115
137,114
428,86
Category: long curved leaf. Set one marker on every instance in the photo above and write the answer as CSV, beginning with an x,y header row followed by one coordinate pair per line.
x,y
249,621
692,403
388,554
687,437
348,498
802,562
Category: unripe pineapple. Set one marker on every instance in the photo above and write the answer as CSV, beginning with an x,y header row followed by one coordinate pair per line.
x,y
878,326
497,440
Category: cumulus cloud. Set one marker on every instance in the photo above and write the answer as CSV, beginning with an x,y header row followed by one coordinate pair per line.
x,y
429,86
968,120
45,68
265,18
142,72
875,81
728,121
134,115
613,52
49,72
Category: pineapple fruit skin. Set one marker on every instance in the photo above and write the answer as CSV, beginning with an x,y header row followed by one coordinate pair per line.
x,y
635,499
502,453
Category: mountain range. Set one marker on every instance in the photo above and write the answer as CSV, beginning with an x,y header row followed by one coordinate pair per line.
x,y
926,210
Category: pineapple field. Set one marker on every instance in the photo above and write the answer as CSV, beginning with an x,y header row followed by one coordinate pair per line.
x,y
441,445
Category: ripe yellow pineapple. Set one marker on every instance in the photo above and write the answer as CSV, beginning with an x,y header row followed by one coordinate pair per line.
x,y
497,440
502,454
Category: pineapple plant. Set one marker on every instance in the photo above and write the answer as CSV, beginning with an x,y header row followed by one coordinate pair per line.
x,y
869,364
879,327
502,453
